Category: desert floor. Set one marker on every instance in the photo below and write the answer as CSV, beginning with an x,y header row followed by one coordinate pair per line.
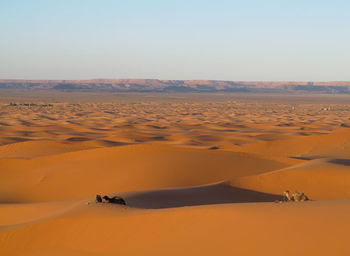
x,y
200,174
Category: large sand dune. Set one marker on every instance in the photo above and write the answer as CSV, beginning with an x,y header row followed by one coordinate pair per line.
x,y
200,175
336,144
137,167
320,179
314,228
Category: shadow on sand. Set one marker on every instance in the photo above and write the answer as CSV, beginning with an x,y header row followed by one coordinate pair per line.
x,y
345,162
221,193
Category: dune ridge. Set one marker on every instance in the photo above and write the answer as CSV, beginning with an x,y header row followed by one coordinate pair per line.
x,y
322,179
84,173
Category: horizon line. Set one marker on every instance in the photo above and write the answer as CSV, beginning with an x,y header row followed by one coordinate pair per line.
x,y
224,80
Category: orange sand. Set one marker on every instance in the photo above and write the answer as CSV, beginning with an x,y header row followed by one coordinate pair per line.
x,y
199,173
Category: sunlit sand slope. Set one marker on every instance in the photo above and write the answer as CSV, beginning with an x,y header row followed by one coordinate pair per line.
x,y
33,149
336,144
319,179
313,228
136,167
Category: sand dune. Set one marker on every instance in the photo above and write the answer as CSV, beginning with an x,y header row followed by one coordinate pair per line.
x,y
336,144
320,179
199,173
205,230
33,149
85,173
15,214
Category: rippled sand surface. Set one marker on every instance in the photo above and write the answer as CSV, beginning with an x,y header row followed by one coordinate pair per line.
x,y
200,174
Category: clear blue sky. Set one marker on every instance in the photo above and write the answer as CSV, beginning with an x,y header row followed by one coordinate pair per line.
x,y
179,39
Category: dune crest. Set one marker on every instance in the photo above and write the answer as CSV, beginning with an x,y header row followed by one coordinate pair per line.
x,y
105,170
321,179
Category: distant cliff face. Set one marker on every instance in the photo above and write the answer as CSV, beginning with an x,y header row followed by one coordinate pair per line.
x,y
154,85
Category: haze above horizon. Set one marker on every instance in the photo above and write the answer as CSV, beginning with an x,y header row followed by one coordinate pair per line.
x,y
218,40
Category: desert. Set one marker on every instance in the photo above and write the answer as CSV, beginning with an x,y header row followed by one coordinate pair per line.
x,y
174,128
201,174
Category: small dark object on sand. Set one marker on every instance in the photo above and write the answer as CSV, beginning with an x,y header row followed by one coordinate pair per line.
x,y
98,199
115,200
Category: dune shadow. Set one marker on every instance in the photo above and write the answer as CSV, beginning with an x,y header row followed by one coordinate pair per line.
x,y
221,193
78,139
7,199
158,127
303,134
206,138
25,123
159,138
100,129
110,143
306,157
16,139
345,162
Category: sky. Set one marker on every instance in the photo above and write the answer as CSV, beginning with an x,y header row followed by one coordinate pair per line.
x,y
252,40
